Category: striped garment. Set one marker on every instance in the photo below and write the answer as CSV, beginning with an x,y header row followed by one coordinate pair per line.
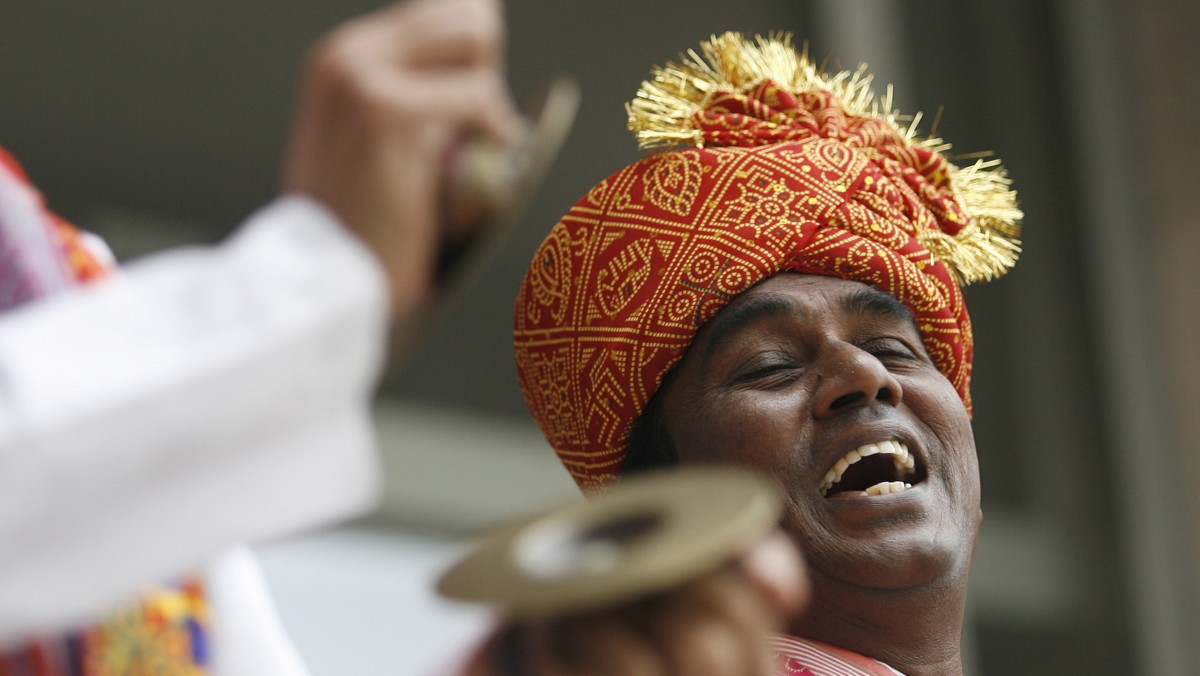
x,y
805,657
163,632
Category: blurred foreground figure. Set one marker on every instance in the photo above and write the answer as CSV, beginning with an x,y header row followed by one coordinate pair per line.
x,y
783,295
202,398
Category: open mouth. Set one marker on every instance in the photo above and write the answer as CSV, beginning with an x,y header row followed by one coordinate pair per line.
x,y
879,468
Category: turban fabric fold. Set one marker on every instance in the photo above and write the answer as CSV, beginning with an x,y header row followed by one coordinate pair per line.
x,y
791,170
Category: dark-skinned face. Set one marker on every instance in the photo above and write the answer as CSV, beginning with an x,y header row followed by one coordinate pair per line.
x,y
799,377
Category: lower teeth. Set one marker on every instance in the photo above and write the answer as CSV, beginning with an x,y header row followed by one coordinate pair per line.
x,y
888,487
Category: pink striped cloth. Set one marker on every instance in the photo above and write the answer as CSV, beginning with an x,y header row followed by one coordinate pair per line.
x,y
805,657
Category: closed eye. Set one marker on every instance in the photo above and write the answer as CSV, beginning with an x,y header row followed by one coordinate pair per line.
x,y
770,372
890,349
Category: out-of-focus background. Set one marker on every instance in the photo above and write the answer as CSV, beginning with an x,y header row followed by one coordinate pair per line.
x,y
156,124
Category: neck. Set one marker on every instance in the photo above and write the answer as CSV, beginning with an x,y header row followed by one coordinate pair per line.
x,y
917,631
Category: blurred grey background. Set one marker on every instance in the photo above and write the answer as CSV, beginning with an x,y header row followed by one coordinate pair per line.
x,y
162,123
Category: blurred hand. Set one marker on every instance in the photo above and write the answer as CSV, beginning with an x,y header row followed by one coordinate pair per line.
x,y
713,626
383,100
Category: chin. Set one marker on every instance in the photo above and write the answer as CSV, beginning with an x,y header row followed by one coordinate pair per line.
x,y
907,569
892,562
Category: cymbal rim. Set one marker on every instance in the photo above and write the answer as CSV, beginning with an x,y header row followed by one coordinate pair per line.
x,y
708,515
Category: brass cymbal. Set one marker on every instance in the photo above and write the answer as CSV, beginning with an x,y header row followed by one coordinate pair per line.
x,y
493,183
646,535
486,188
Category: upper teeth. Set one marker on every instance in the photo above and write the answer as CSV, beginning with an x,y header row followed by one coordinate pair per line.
x,y
905,465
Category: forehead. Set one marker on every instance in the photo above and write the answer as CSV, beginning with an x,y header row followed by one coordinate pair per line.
x,y
808,298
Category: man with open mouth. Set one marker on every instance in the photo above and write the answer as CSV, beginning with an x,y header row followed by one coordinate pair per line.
x,y
785,294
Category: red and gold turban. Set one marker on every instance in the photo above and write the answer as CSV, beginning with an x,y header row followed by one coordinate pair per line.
x,y
792,170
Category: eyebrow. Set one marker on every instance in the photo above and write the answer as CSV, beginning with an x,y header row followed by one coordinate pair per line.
x,y
866,301
877,303
872,301
730,320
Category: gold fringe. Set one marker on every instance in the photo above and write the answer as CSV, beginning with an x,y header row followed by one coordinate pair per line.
x,y
662,112
988,246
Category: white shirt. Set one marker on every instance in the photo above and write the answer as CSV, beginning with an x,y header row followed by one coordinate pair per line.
x,y
201,398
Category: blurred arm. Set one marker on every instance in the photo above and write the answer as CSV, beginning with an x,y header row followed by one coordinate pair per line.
x,y
204,397
215,396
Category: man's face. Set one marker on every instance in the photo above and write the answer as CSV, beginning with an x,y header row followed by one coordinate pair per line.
x,y
800,376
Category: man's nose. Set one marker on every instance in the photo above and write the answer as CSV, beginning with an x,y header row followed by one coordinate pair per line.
x,y
852,378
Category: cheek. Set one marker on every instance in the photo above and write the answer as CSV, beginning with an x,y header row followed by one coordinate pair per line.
x,y
744,428
936,403
947,419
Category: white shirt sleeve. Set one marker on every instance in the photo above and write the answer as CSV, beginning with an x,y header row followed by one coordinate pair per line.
x,y
247,636
201,398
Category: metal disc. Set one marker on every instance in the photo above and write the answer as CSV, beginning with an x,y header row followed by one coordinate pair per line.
x,y
646,535
496,184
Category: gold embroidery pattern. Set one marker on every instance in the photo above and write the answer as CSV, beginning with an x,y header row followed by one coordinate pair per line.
x,y
672,184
